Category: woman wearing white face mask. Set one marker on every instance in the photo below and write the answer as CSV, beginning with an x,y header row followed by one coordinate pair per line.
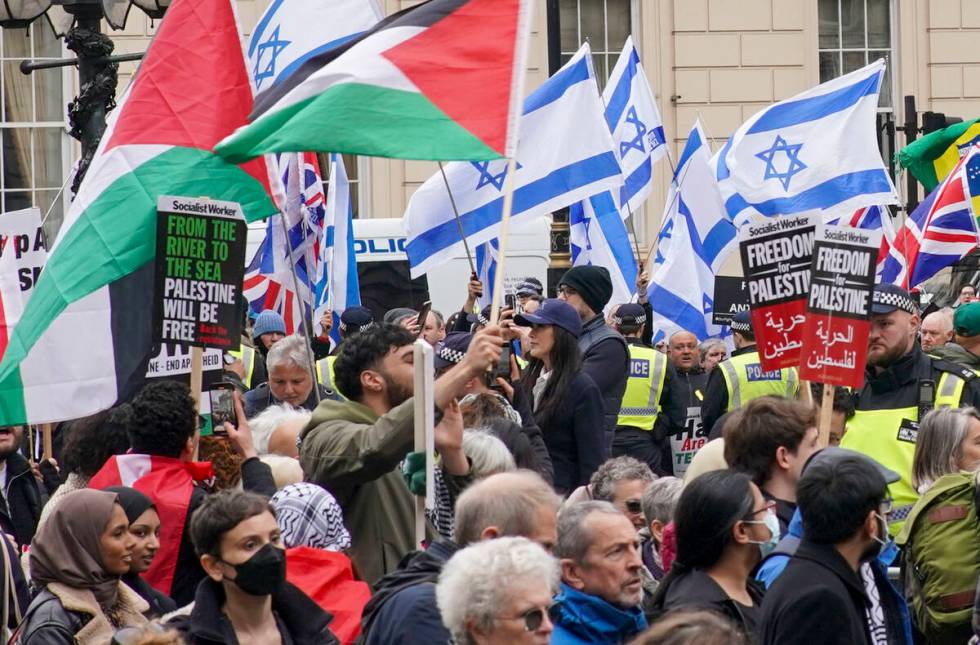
x,y
948,443
724,527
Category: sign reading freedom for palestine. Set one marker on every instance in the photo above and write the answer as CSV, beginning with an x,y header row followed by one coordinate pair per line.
x,y
776,256
200,265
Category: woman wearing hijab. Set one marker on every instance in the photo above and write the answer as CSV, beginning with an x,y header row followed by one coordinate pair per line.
x,y
78,558
144,526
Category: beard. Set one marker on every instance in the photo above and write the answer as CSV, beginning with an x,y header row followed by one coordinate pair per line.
x,y
888,357
395,392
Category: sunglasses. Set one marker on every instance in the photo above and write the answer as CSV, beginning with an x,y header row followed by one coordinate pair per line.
x,y
633,506
534,618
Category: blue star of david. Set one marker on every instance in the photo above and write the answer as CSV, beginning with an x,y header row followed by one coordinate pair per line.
x,y
707,304
636,143
792,152
488,178
274,46
588,240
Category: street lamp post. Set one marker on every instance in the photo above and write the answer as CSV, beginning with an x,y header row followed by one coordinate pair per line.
x,y
80,22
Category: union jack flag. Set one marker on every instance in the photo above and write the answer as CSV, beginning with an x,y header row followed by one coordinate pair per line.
x,y
940,231
269,280
870,218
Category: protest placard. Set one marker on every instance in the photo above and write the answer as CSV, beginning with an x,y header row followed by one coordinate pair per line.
x,y
22,256
835,337
731,296
776,256
200,265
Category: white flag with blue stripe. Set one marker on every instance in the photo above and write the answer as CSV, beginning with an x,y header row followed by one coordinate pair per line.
x,y
565,154
701,238
599,237
290,32
638,130
337,286
815,151
486,258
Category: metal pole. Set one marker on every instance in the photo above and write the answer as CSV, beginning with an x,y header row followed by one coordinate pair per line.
x,y
911,134
29,66
459,222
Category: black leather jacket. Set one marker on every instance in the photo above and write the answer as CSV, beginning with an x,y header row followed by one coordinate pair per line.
x,y
47,622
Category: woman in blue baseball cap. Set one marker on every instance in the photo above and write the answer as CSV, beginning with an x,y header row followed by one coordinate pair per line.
x,y
567,402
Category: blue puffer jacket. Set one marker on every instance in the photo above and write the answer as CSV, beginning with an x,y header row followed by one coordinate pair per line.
x,y
581,619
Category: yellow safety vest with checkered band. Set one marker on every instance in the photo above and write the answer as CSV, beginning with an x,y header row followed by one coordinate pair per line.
x,y
875,433
328,366
246,355
746,380
641,401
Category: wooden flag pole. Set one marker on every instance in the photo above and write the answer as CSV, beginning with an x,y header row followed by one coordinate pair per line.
x,y
498,283
806,394
826,412
424,430
47,450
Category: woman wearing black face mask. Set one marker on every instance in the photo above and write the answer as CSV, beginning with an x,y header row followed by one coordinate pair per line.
x,y
245,599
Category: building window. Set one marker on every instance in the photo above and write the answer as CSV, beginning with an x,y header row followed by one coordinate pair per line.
x,y
854,33
605,24
36,149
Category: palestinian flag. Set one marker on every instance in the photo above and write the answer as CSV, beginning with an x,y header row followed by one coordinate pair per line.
x,y
169,483
934,156
442,80
84,338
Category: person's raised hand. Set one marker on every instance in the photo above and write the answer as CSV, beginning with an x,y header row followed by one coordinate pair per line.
x,y
474,288
448,439
642,285
484,351
240,435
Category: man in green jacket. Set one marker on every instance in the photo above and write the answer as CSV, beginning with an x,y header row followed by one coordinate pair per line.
x,y
353,448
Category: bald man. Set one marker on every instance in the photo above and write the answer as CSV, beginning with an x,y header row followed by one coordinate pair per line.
x,y
679,423
936,330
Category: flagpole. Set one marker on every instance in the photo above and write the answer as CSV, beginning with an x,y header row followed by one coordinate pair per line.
x,y
498,282
459,222
293,198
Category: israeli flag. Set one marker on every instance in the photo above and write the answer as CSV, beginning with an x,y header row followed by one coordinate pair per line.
x,y
638,130
815,151
682,288
487,255
565,154
598,237
290,32
337,286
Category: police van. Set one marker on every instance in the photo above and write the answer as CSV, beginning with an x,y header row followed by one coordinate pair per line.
x,y
383,273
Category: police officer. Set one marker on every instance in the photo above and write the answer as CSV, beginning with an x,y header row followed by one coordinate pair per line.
x,y
641,401
741,378
901,384
352,321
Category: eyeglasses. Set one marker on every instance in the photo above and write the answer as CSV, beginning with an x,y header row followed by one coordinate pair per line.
x,y
567,291
886,506
533,618
770,506
633,506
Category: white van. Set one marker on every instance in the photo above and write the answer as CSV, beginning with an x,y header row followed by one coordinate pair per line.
x,y
382,265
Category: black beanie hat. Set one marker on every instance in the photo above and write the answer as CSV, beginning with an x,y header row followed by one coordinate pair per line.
x,y
592,283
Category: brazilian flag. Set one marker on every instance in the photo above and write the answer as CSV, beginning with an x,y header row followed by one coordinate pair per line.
x,y
930,158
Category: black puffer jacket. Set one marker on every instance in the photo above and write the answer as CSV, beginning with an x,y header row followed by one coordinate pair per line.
x,y
24,498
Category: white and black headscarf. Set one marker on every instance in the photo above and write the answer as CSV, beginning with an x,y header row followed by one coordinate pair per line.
x,y
310,516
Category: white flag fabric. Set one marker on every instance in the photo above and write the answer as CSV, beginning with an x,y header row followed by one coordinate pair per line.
x,y
22,256
565,154
599,237
815,151
291,32
638,130
682,289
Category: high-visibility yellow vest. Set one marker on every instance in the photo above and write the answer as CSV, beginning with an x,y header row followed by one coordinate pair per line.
x,y
246,355
326,366
641,401
746,380
880,435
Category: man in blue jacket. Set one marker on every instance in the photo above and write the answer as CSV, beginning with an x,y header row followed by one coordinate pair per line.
x,y
599,601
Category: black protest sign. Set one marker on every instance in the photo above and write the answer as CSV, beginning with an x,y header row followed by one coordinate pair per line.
x,y
731,297
200,265
776,255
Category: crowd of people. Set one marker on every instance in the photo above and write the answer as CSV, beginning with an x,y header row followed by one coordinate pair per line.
x,y
590,487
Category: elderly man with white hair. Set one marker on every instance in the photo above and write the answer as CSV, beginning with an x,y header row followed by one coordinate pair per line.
x,y
498,591
936,329
290,379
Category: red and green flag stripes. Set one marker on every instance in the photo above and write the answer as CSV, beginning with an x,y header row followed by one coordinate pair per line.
x,y
85,335
442,80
